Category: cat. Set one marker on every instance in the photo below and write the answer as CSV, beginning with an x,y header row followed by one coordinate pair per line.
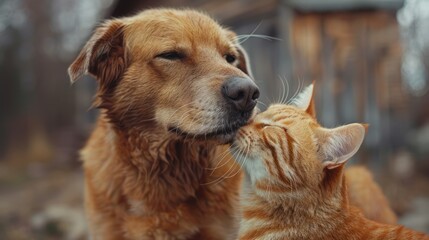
x,y
294,184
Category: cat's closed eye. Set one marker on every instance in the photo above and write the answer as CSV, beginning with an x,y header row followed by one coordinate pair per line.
x,y
265,126
261,125
273,127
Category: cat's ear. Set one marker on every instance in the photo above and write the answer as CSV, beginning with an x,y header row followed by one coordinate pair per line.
x,y
339,144
305,100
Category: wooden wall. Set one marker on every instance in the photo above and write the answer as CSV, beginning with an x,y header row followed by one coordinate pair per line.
x,y
355,59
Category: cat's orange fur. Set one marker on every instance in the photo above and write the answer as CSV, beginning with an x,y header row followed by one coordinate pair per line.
x,y
295,187
364,193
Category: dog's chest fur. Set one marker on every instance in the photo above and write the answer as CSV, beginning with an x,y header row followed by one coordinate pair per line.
x,y
153,186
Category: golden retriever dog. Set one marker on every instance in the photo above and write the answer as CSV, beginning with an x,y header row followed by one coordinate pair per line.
x,y
172,86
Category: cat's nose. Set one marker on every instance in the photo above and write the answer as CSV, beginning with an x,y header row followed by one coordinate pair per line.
x,y
241,92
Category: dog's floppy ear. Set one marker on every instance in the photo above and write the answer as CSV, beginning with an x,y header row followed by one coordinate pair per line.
x,y
103,56
243,61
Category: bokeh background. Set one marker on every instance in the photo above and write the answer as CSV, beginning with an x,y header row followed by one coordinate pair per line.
x,y
369,58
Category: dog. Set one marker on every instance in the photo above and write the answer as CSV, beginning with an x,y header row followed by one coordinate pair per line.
x,y
173,87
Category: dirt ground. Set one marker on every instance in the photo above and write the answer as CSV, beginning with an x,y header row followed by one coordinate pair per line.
x,y
46,208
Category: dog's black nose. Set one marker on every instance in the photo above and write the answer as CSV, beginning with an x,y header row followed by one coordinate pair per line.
x,y
241,92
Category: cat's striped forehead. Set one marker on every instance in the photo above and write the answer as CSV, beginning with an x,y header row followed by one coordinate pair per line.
x,y
283,114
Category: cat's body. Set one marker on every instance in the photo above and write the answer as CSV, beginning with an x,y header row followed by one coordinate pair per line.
x,y
295,187
310,218
364,193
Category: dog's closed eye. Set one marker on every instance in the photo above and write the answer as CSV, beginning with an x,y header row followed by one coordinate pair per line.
x,y
171,55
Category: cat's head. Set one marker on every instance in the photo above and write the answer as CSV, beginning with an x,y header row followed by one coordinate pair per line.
x,y
284,148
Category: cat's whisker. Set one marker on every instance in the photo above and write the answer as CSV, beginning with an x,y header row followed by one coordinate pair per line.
x,y
246,156
264,104
268,100
220,178
241,164
288,89
279,95
295,94
239,159
219,162
285,90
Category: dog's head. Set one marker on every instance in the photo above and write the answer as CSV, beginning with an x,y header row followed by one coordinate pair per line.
x,y
172,69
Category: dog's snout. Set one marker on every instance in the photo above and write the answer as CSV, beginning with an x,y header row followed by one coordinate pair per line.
x,y
241,92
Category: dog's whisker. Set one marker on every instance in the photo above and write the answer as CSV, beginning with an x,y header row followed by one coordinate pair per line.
x,y
197,119
185,105
182,119
265,37
253,32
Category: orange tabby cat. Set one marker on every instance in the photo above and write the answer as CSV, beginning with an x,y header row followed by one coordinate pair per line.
x,y
294,187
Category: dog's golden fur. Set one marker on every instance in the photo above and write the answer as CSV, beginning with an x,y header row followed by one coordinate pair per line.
x,y
148,173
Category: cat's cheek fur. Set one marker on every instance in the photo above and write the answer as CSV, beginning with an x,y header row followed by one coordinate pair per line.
x,y
255,169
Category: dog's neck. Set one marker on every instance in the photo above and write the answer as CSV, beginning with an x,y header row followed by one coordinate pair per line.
x,y
164,170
